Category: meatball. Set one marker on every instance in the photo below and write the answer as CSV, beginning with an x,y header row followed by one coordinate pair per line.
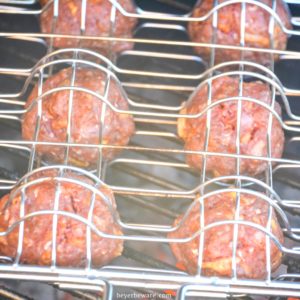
x,y
229,27
97,23
71,234
85,120
223,128
217,255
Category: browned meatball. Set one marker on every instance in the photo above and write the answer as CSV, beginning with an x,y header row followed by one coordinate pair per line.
x,y
98,14
217,255
85,120
229,27
223,128
71,234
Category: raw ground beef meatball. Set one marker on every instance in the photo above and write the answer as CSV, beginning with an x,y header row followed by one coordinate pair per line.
x,y
217,255
222,136
228,30
85,120
97,23
71,234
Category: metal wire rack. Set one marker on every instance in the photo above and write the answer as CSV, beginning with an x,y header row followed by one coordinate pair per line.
x,y
142,159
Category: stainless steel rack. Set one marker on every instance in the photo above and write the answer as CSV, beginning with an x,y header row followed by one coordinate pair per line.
x,y
157,149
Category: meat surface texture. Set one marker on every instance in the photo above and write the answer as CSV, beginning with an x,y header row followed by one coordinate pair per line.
x,y
218,241
254,122
86,125
229,28
71,236
97,23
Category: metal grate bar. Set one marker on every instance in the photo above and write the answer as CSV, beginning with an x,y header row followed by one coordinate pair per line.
x,y
164,116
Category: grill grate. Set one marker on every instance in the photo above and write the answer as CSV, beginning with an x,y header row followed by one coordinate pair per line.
x,y
155,96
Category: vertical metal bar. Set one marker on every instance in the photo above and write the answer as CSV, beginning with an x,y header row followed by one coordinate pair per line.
x,y
214,35
102,123
70,109
21,229
182,292
107,291
38,120
207,134
112,29
53,30
104,170
89,233
82,21
269,172
55,219
209,91
238,182
271,29
101,166
55,9
202,235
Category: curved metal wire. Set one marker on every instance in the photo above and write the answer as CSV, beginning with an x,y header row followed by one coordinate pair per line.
x,y
158,114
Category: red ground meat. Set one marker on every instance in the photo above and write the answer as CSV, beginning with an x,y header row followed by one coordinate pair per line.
x,y
71,234
86,118
98,23
229,27
222,138
218,241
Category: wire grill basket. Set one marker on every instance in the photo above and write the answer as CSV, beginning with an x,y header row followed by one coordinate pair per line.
x,y
155,150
